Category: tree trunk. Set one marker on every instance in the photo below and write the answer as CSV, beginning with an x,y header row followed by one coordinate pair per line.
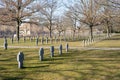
x,y
91,32
50,29
79,34
108,30
17,31
50,34
108,33
73,34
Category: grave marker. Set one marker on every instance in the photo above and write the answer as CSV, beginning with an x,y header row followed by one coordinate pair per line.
x,y
60,49
37,41
67,46
41,54
5,43
52,51
20,59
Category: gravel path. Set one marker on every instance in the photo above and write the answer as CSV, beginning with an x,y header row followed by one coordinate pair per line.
x,y
79,48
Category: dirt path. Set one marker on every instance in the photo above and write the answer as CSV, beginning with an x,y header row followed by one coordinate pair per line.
x,y
79,48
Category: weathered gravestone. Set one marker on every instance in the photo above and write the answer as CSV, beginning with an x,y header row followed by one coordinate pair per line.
x,y
5,43
42,40
88,42
20,59
51,40
56,39
60,49
41,54
46,40
24,39
12,39
36,41
67,46
52,51
83,43
30,39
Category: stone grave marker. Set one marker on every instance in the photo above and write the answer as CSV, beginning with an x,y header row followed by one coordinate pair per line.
x,y
41,54
20,59
51,40
67,46
60,49
37,42
83,43
46,40
5,43
42,40
52,51
24,39
12,40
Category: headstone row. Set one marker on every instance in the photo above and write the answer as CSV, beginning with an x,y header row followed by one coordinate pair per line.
x,y
20,55
97,39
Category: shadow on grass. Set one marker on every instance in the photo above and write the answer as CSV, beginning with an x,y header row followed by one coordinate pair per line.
x,y
36,67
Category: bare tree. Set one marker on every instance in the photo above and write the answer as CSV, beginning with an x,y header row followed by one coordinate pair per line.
x,y
87,12
18,11
48,10
59,26
111,12
72,22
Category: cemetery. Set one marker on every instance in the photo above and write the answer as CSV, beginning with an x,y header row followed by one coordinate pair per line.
x,y
59,40
48,62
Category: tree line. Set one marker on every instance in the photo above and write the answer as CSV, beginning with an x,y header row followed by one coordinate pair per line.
x,y
104,14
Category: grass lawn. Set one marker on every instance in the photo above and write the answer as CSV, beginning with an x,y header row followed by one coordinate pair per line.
x,y
74,65
113,42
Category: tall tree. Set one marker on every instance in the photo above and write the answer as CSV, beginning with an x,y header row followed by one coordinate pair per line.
x,y
87,12
73,22
18,11
111,12
48,9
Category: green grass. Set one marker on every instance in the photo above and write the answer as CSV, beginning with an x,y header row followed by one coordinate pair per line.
x,y
113,42
74,65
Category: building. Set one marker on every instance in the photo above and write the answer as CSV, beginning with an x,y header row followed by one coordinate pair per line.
x,y
25,29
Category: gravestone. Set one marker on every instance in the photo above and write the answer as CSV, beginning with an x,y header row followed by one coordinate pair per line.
x,y
30,39
37,42
67,46
41,54
60,49
88,42
52,51
20,59
46,40
24,39
83,43
50,40
56,39
12,39
42,40
5,43
34,37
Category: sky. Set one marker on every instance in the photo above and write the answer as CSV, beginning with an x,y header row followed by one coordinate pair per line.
x,y
63,4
